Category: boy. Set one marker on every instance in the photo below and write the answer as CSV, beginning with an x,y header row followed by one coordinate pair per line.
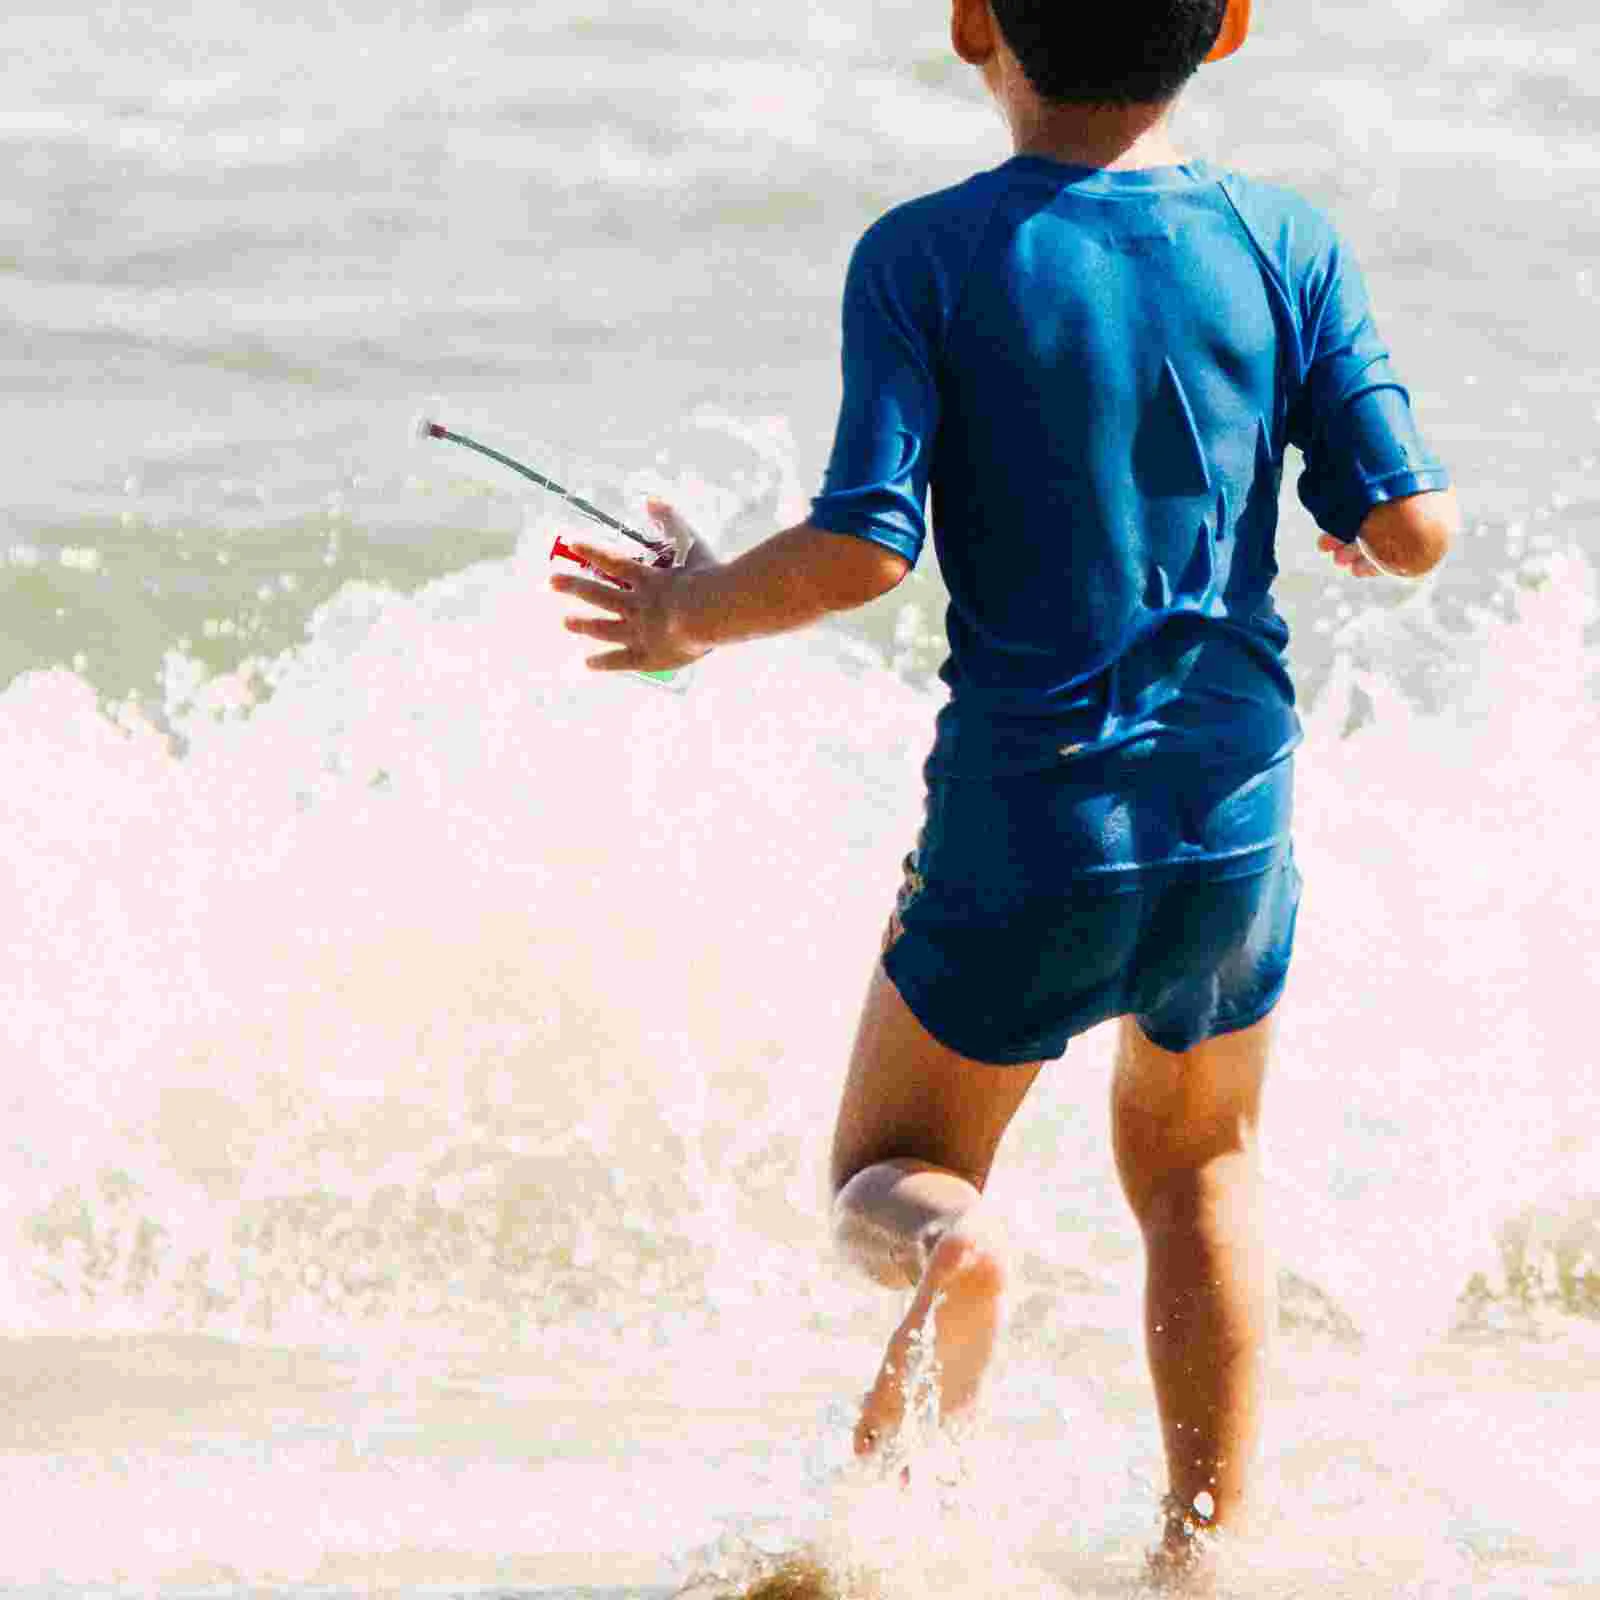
x,y
1095,355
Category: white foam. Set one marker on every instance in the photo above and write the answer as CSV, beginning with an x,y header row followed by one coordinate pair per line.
x,y
441,996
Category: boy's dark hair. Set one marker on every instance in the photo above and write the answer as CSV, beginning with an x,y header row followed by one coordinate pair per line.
x,y
1125,52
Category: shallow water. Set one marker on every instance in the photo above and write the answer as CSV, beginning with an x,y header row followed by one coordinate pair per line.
x,y
423,1055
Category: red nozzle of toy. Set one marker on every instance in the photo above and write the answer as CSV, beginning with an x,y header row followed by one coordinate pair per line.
x,y
562,551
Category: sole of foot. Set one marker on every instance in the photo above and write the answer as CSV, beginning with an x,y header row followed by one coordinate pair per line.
x,y
960,1303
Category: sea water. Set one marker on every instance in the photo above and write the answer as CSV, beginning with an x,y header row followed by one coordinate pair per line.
x,y
421,1055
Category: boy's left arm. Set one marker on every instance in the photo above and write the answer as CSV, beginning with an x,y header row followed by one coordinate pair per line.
x,y
668,618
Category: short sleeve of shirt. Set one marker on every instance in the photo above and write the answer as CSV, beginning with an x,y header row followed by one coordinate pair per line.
x,y
1352,418
876,484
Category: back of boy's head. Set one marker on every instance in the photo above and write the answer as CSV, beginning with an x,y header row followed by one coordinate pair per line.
x,y
1109,52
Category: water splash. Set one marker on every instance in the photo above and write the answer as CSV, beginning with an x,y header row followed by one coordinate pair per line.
x,y
415,996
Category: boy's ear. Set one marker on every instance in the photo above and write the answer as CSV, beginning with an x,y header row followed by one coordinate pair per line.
x,y
972,31
1235,28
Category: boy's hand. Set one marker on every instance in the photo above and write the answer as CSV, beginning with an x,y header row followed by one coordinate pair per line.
x,y
1348,556
669,617
648,620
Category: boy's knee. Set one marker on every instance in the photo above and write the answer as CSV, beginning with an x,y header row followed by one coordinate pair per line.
x,y
865,1231
1197,1200
893,1216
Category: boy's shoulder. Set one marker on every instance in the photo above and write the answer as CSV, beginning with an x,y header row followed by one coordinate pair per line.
x,y
951,212
918,253
1269,197
1295,233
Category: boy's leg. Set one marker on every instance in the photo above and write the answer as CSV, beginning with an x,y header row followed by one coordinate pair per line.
x,y
917,1131
1184,1132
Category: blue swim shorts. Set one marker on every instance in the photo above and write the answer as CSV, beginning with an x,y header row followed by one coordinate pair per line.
x,y
1005,944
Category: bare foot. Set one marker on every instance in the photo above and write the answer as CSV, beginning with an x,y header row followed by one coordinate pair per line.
x,y
1183,1574
1184,1564
963,1286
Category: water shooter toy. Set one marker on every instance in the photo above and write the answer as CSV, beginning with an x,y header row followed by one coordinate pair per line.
x,y
661,553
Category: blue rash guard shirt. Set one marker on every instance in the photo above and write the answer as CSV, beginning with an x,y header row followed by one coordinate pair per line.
x,y
1097,374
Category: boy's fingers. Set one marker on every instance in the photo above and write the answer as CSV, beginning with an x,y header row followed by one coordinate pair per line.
x,y
597,594
1344,551
611,661
1354,561
1348,556
597,627
604,561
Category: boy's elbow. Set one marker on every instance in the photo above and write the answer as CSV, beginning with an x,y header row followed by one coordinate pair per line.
x,y
1412,536
855,571
885,572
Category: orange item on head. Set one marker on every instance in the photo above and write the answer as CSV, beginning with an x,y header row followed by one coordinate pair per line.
x,y
1235,29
